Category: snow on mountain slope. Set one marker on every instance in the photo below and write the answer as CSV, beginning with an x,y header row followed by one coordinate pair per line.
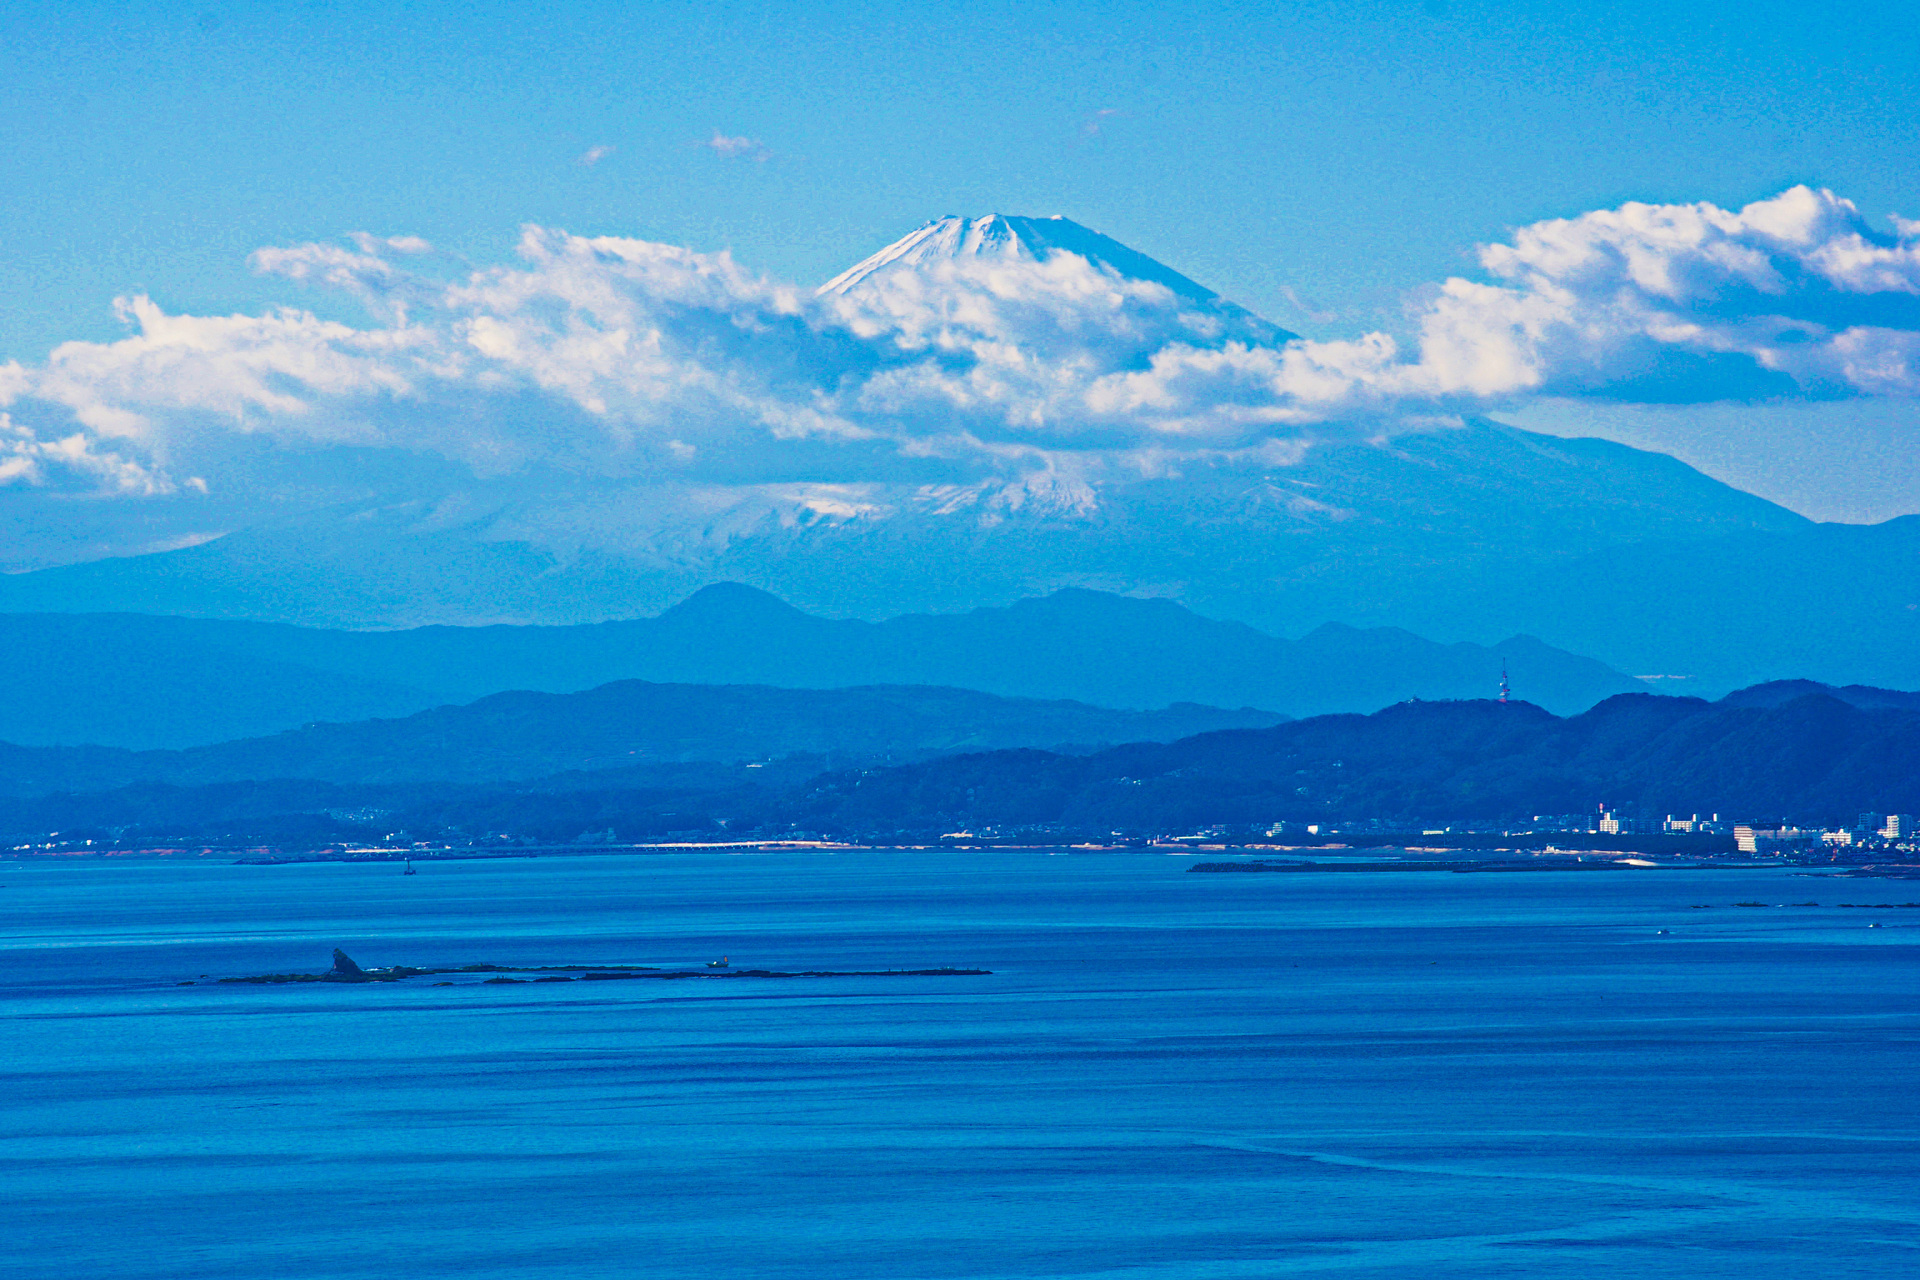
x,y
1007,238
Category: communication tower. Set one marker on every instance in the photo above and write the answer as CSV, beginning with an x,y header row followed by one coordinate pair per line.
x,y
1505,688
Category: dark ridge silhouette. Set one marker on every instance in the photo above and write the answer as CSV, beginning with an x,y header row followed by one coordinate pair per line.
x,y
1815,758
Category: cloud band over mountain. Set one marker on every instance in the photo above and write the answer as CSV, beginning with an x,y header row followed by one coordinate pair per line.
x,y
619,358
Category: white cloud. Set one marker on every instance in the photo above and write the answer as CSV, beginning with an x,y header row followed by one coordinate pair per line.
x,y
285,372
738,148
369,243
75,461
1795,295
593,156
366,275
1008,379
15,381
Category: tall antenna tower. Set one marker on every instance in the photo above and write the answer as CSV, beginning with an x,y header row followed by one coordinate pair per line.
x,y
1505,688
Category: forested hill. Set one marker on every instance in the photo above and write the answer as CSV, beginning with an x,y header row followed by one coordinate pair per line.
x,y
1815,757
1821,757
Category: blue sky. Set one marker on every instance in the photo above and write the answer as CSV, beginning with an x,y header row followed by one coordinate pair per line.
x,y
1347,152
1325,164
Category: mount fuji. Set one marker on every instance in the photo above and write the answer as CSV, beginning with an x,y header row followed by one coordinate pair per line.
x,y
1472,532
1000,237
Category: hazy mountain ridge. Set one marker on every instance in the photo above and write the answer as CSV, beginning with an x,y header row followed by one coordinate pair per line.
x,y
518,736
1467,534
146,682
1362,532
140,682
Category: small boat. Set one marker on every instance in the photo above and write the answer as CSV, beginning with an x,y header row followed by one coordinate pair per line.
x,y
721,963
409,871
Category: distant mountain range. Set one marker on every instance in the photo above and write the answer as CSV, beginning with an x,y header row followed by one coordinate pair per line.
x,y
629,726
148,682
1474,533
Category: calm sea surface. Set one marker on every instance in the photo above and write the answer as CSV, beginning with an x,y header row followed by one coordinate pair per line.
x,y
1166,1075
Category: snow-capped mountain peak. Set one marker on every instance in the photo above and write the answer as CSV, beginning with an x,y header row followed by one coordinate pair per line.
x,y
1010,236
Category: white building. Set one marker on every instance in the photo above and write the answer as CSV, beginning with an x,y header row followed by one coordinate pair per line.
x,y
1612,824
1774,840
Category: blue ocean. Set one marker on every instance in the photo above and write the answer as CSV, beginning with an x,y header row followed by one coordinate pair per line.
x,y
1165,1074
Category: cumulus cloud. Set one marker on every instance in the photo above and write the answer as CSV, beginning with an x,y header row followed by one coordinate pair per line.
x,y
1796,295
285,372
75,461
993,384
